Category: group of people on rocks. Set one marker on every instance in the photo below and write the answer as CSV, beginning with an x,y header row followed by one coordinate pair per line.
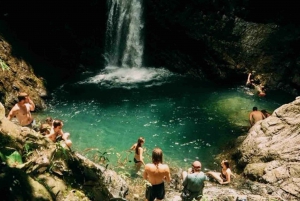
x,y
22,112
157,173
256,115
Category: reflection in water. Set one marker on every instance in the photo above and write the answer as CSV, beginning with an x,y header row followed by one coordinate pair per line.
x,y
189,120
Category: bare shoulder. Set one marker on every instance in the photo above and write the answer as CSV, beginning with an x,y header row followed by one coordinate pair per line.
x,y
15,108
164,167
148,167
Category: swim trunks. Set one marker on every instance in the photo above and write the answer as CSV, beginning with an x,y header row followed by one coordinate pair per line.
x,y
157,191
31,125
136,161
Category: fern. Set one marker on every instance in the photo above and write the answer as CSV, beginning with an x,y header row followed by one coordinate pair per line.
x,y
3,65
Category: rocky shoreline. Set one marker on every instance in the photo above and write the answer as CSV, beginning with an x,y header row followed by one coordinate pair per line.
x,y
268,157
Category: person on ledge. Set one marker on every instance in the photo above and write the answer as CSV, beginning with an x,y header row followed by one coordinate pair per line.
x,y
193,182
56,133
223,177
255,116
22,111
266,113
156,173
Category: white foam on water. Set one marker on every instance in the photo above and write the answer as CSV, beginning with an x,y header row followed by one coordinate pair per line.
x,y
126,77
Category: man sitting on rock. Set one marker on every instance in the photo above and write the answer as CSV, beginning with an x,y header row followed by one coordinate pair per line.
x,y
193,182
255,116
22,111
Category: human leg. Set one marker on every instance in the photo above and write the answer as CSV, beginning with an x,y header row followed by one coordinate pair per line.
x,y
215,175
138,166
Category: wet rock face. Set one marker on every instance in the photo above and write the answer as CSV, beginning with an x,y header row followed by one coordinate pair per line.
x,y
18,76
219,40
270,153
224,40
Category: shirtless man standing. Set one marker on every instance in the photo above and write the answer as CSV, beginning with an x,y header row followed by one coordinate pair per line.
x,y
156,173
22,109
255,116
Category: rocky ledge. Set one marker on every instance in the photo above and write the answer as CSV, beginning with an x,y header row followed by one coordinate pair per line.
x,y
34,168
270,153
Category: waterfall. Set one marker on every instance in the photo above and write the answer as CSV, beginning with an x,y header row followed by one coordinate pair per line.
x,y
123,42
124,48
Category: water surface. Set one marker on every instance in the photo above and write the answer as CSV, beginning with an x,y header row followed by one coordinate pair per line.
x,y
187,118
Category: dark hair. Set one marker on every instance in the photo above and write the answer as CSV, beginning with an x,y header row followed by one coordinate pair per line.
x,y
49,120
57,123
254,108
139,144
157,156
226,163
22,96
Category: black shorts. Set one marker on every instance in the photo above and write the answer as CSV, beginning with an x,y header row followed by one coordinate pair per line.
x,y
157,191
136,161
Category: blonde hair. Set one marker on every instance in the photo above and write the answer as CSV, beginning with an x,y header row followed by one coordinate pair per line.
x,y
157,156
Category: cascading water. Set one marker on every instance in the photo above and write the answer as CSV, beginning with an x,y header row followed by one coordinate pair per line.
x,y
124,45
124,50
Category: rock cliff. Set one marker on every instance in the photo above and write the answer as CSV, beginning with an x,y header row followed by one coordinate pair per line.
x,y
17,75
270,153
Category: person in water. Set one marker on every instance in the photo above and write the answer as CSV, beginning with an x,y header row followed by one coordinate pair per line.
x,y
250,80
223,177
156,173
266,113
22,111
259,88
138,156
255,116
193,182
57,132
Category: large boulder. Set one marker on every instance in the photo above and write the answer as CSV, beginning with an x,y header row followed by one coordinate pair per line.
x,y
271,153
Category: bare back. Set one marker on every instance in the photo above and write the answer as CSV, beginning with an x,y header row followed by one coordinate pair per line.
x,y
255,116
156,174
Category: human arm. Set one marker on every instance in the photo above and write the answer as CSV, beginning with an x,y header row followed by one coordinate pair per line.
x,y
11,114
167,174
145,174
31,103
248,79
251,119
184,183
133,146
